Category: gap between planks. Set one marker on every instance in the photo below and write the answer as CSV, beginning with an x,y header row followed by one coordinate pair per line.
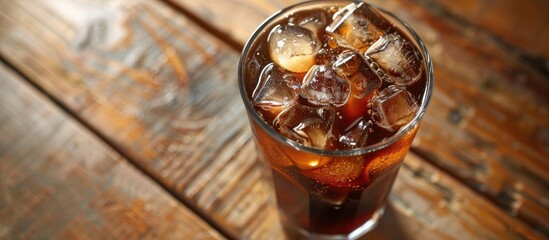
x,y
221,35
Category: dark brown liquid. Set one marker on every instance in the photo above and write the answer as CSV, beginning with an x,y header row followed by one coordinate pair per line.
x,y
349,209
310,201
342,193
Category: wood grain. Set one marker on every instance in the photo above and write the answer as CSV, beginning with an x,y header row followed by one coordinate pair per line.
x,y
489,117
158,87
163,91
59,181
522,24
432,205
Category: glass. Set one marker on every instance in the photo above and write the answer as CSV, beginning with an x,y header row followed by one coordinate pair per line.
x,y
333,207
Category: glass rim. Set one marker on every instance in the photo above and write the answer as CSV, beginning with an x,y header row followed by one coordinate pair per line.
x,y
344,152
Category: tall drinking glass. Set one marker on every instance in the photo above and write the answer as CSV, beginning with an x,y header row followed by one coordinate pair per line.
x,y
334,92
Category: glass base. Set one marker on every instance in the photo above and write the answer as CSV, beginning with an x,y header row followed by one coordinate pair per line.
x,y
357,233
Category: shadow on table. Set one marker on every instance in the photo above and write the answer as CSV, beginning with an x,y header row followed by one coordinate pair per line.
x,y
389,227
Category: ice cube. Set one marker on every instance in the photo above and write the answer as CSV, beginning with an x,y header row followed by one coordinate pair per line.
x,y
393,108
307,125
347,64
398,58
354,30
305,160
272,90
339,172
314,21
322,86
353,67
364,83
388,158
377,69
292,80
329,51
293,47
357,134
272,151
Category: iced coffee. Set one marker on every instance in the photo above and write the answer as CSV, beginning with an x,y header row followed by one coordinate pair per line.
x,y
335,91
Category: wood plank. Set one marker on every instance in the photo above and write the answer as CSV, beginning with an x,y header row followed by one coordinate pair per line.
x,y
164,92
522,24
489,117
59,181
158,87
429,204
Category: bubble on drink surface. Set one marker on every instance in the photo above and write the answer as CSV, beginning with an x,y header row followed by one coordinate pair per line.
x,y
339,172
353,67
293,47
272,90
356,135
393,108
322,86
310,126
398,58
352,28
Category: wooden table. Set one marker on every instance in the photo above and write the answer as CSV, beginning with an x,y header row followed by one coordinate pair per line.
x,y
122,120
